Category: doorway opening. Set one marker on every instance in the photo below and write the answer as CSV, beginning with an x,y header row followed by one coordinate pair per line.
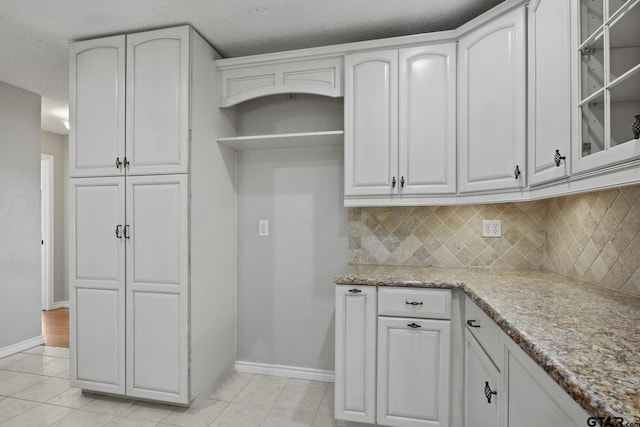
x,y
55,321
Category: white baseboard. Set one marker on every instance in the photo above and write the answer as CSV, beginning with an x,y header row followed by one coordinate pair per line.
x,y
285,371
60,304
21,346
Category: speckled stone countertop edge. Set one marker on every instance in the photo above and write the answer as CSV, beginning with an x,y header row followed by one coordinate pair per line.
x,y
563,377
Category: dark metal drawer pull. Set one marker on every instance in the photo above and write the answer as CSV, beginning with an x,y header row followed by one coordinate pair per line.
x,y
355,291
488,392
472,323
414,325
413,303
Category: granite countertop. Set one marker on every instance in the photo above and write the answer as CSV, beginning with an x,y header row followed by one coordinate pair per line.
x,y
584,336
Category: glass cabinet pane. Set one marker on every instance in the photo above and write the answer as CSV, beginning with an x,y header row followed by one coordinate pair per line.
x,y
592,67
593,126
615,5
591,17
625,105
624,42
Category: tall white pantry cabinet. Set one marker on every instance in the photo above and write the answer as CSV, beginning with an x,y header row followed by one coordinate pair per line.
x,y
152,257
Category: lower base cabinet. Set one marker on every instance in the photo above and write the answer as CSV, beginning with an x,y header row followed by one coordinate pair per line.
x,y
408,383
481,382
519,393
413,372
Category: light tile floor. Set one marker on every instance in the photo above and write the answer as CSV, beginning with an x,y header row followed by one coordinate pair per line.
x,y
34,391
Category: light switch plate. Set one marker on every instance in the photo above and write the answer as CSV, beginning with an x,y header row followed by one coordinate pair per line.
x,y
263,227
491,228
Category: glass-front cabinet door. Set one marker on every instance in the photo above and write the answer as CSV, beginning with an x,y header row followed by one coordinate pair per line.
x,y
608,92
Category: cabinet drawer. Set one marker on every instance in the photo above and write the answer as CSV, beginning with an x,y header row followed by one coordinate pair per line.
x,y
484,329
411,302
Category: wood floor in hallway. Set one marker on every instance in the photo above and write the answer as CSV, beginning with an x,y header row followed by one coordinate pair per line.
x,y
55,327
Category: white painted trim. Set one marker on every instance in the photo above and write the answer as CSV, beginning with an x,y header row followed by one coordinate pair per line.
x,y
21,346
285,371
47,224
60,304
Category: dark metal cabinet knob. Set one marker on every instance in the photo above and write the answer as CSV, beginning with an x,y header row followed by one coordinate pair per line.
x,y
125,163
517,172
488,392
557,158
472,323
118,163
393,182
402,182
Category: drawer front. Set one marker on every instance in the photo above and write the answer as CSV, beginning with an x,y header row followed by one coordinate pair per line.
x,y
411,302
486,331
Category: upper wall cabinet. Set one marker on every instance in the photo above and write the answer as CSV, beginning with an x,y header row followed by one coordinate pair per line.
x,y
156,128
608,96
400,121
158,101
549,90
96,107
317,76
491,119
371,123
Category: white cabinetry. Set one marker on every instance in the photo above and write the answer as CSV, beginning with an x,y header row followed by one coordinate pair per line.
x,y
482,379
413,372
607,102
97,276
152,270
491,106
355,371
532,397
158,101
504,387
157,104
317,76
549,90
96,107
400,121
371,123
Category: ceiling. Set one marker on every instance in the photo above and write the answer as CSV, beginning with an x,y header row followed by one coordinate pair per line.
x,y
35,34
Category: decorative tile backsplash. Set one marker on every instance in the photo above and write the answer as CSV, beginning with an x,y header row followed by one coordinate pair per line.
x,y
594,237
448,236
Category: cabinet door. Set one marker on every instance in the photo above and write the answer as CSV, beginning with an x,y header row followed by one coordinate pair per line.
x,y
371,123
157,287
533,399
482,378
97,284
355,383
427,135
549,89
158,101
413,372
96,107
491,118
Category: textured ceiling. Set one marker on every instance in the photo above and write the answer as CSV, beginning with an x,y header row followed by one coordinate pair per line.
x,y
34,34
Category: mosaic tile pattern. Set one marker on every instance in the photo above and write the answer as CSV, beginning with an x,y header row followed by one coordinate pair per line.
x,y
596,237
448,236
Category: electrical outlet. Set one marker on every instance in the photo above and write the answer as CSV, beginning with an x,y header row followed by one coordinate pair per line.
x,y
491,228
263,227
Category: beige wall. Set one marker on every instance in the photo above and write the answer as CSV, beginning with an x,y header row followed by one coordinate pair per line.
x,y
20,287
593,237
57,146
